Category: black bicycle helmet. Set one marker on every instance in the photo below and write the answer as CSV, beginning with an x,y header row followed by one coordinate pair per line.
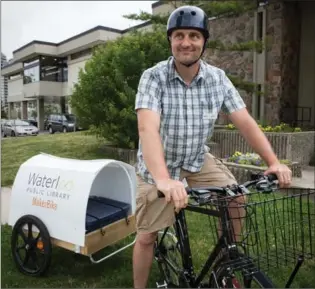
x,y
189,17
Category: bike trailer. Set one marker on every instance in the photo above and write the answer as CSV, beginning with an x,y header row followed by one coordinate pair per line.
x,y
79,205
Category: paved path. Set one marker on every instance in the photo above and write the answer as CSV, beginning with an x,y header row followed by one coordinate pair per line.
x,y
307,181
5,204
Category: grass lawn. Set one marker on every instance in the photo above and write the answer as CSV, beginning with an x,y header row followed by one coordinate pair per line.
x,y
71,270
15,151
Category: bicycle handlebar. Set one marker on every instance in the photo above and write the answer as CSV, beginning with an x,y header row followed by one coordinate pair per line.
x,y
263,183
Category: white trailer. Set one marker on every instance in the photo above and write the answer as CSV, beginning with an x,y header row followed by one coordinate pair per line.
x,y
79,205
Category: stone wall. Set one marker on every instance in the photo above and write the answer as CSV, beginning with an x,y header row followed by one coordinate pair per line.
x,y
291,27
242,173
282,56
230,31
282,33
297,146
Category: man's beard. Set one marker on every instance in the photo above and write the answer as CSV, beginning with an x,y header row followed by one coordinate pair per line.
x,y
188,61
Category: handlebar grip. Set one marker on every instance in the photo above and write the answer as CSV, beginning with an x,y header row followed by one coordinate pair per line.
x,y
272,177
160,194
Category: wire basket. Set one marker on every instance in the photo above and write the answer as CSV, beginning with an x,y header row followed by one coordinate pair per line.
x,y
271,230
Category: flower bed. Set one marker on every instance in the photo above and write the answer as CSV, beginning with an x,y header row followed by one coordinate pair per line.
x,y
283,127
251,159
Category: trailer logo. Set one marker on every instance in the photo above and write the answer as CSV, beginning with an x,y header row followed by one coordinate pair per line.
x,y
50,183
53,188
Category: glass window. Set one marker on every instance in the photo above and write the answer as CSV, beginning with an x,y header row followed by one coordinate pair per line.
x,y
31,62
31,71
31,74
20,123
65,73
81,53
15,76
52,69
69,117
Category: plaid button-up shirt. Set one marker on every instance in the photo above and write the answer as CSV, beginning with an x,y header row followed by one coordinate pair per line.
x,y
187,113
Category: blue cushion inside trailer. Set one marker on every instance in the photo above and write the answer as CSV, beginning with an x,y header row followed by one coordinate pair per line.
x,y
103,211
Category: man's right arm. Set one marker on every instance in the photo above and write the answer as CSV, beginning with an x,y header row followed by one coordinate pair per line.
x,y
148,107
152,150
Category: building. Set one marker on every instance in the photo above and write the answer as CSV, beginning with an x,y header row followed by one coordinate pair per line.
x,y
4,85
284,70
43,73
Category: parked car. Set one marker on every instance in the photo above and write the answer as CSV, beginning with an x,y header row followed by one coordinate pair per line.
x,y
17,127
3,121
31,122
61,123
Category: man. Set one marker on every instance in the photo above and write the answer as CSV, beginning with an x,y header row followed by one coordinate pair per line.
x,y
177,104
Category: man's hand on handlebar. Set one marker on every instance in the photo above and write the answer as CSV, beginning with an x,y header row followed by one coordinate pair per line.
x,y
260,182
283,173
173,191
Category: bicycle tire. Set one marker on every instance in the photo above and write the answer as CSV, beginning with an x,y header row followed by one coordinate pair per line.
x,y
220,271
163,259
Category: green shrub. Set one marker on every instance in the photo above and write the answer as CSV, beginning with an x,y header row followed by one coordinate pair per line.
x,y
104,97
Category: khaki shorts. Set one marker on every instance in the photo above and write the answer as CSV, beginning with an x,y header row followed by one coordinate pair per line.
x,y
154,214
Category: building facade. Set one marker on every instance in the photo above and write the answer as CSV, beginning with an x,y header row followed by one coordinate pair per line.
x,y
284,70
4,85
42,74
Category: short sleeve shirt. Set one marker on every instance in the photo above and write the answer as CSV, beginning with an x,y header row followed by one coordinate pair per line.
x,y
187,113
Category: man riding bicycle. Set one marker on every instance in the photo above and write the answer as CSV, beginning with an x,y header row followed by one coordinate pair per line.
x,y
177,104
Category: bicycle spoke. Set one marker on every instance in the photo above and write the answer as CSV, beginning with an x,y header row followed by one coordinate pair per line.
x,y
27,257
30,232
21,233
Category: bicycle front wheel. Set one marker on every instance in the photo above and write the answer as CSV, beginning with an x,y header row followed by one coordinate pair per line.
x,y
169,259
224,276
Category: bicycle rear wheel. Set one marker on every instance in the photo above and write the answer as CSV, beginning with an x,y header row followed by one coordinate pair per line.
x,y
225,276
169,259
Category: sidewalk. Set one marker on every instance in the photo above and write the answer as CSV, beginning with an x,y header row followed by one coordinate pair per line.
x,y
5,204
307,181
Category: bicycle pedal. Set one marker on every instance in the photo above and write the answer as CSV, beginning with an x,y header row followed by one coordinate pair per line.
x,y
160,285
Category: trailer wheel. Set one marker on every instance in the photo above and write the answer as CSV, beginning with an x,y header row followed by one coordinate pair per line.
x,y
31,251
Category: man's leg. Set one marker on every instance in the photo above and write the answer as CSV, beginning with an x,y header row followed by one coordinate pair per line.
x,y
152,215
142,259
215,173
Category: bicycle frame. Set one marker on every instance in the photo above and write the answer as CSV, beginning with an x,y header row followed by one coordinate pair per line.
x,y
183,238
224,242
286,210
182,234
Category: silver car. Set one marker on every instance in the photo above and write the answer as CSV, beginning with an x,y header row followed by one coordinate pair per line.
x,y
17,127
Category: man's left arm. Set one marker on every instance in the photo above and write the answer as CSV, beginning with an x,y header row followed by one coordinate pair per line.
x,y
235,107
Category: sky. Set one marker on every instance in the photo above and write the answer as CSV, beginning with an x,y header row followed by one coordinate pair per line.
x,y
55,21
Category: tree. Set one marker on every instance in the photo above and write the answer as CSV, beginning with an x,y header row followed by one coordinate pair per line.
x,y
104,97
221,8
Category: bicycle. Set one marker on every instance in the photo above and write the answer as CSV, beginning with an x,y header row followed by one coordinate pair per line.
x,y
278,226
